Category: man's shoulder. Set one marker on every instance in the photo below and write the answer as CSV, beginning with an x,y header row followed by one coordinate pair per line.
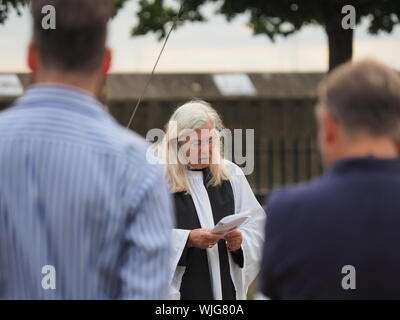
x,y
130,138
293,200
302,190
132,147
98,134
7,114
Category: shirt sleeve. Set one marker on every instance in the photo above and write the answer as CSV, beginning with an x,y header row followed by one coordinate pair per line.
x,y
147,248
253,229
274,250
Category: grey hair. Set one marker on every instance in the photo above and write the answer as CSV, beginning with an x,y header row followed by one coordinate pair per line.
x,y
364,96
190,116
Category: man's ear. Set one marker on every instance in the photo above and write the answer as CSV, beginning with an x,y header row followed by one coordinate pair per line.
x,y
106,62
330,127
32,58
398,146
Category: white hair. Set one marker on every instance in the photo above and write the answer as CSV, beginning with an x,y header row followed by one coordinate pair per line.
x,y
190,116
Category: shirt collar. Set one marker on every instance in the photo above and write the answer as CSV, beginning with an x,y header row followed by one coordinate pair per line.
x,y
59,95
192,169
368,164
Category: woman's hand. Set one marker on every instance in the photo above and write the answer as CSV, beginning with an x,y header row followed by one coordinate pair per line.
x,y
203,239
234,240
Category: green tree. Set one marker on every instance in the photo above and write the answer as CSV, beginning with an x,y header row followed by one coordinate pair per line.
x,y
270,17
280,18
7,5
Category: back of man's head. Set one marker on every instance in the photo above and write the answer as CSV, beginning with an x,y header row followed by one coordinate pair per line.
x,y
364,97
78,42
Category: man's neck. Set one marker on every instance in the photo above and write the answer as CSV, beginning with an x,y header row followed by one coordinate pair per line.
x,y
381,148
89,84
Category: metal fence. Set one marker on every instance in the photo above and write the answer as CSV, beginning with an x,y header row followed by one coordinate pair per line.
x,y
284,161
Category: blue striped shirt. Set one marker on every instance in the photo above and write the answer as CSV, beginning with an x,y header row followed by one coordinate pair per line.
x,y
77,194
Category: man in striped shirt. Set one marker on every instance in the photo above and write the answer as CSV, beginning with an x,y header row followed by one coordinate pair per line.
x,y
83,214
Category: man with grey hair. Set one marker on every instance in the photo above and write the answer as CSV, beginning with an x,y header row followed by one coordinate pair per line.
x,y
337,237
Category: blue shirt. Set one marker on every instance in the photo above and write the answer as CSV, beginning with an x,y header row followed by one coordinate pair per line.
x,y
77,194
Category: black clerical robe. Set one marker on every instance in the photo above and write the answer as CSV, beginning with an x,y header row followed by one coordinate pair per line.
x,y
215,273
196,281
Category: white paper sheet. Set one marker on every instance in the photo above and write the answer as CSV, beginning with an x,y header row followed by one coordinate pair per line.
x,y
232,222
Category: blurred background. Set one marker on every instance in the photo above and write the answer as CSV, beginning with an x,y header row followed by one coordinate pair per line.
x,y
258,62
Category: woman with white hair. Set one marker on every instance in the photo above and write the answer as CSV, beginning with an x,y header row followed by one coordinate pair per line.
x,y
207,188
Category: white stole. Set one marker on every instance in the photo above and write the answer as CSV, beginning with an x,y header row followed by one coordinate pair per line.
x,y
252,231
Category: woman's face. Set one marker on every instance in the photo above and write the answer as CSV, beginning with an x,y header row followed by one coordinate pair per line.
x,y
198,147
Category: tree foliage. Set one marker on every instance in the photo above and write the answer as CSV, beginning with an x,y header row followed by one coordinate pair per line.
x,y
6,6
270,17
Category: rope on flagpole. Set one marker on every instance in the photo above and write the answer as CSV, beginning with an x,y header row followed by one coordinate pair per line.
x,y
176,19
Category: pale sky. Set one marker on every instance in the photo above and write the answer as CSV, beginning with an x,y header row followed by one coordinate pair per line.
x,y
214,46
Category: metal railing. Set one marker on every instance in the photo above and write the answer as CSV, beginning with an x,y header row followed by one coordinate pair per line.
x,y
283,161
